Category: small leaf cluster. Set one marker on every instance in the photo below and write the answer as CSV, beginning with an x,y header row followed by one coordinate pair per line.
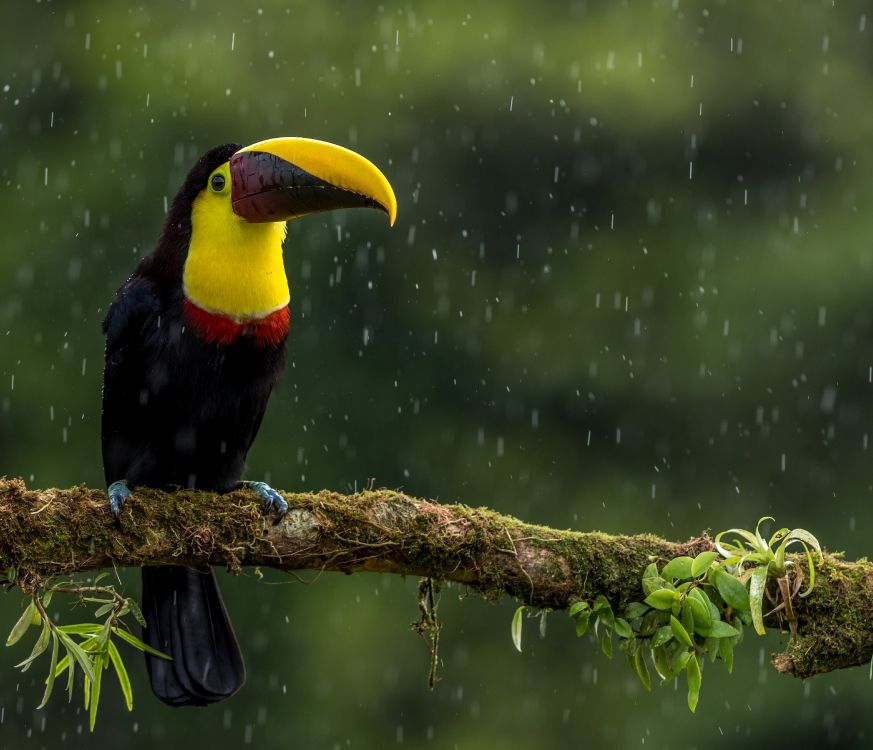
x,y
696,608
768,557
87,646
600,618
693,610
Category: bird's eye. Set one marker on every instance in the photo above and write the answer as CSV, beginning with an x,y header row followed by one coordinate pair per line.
x,y
218,183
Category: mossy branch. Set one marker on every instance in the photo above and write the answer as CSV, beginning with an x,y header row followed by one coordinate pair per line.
x,y
54,532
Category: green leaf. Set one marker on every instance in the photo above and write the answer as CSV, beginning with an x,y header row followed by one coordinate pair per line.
x,y
78,653
606,644
642,669
656,584
136,611
661,662
757,584
103,638
578,607
516,627
802,535
604,619
62,664
41,645
71,674
726,652
662,599
777,536
123,678
635,609
105,609
623,628
138,644
762,545
710,648
603,610
732,590
662,635
735,546
651,571
82,628
680,633
687,619
720,629
20,627
95,690
582,623
678,567
702,562
692,672
50,680
543,616
809,562
651,621
714,611
699,604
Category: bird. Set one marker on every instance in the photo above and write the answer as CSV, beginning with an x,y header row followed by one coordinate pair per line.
x,y
196,340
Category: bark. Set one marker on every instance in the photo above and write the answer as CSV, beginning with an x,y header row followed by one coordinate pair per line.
x,y
53,532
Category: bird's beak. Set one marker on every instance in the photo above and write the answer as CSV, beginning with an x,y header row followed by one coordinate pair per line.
x,y
283,178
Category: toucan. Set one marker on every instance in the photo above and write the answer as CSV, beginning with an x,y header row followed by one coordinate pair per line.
x,y
195,343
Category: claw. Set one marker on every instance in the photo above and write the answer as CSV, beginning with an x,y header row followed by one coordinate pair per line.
x,y
272,499
118,493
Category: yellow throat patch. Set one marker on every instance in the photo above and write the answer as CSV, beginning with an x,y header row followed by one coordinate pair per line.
x,y
234,267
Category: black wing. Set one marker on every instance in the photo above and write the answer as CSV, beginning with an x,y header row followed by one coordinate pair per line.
x,y
134,309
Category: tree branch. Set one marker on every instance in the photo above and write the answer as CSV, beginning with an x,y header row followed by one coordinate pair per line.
x,y
53,532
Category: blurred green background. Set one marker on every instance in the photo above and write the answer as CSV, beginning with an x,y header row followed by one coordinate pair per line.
x,y
629,289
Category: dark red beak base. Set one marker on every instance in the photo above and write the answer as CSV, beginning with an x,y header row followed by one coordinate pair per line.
x,y
265,187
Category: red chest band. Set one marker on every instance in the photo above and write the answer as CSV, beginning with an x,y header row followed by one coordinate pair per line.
x,y
220,329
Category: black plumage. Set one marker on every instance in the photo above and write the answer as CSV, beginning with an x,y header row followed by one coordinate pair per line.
x,y
179,411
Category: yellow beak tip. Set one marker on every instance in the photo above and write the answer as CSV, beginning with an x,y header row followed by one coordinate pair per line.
x,y
336,165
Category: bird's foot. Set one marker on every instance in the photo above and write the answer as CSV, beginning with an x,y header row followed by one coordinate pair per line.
x,y
272,499
118,493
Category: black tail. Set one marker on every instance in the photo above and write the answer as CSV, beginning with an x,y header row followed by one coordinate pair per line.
x,y
187,620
